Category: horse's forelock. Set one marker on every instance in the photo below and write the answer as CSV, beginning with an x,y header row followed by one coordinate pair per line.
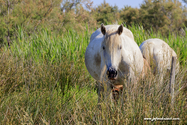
x,y
111,37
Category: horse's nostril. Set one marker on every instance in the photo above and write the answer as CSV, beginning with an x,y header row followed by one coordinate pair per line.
x,y
115,73
111,73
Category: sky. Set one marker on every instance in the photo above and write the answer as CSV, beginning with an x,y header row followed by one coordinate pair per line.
x,y
122,3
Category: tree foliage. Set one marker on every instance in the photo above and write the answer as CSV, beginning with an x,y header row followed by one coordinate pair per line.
x,y
105,13
185,1
160,15
130,15
30,14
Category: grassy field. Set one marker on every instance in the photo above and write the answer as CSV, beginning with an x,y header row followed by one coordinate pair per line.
x,y
43,80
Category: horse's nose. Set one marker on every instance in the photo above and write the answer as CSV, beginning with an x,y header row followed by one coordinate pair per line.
x,y
112,73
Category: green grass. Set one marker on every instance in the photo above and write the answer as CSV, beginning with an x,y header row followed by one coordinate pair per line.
x,y
43,80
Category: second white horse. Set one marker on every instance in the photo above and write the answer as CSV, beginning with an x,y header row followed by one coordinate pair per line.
x,y
159,56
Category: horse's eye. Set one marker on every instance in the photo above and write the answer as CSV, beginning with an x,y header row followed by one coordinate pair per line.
x,y
103,47
120,47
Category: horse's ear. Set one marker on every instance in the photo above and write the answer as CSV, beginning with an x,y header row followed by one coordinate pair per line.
x,y
120,29
103,29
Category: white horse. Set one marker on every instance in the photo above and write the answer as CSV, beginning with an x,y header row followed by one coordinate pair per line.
x,y
112,55
159,56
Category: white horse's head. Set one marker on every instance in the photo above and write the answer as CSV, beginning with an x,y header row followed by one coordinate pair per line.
x,y
111,48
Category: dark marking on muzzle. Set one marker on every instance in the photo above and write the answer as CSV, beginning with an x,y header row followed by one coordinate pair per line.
x,y
112,73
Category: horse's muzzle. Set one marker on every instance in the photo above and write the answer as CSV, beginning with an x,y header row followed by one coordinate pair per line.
x,y
112,73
